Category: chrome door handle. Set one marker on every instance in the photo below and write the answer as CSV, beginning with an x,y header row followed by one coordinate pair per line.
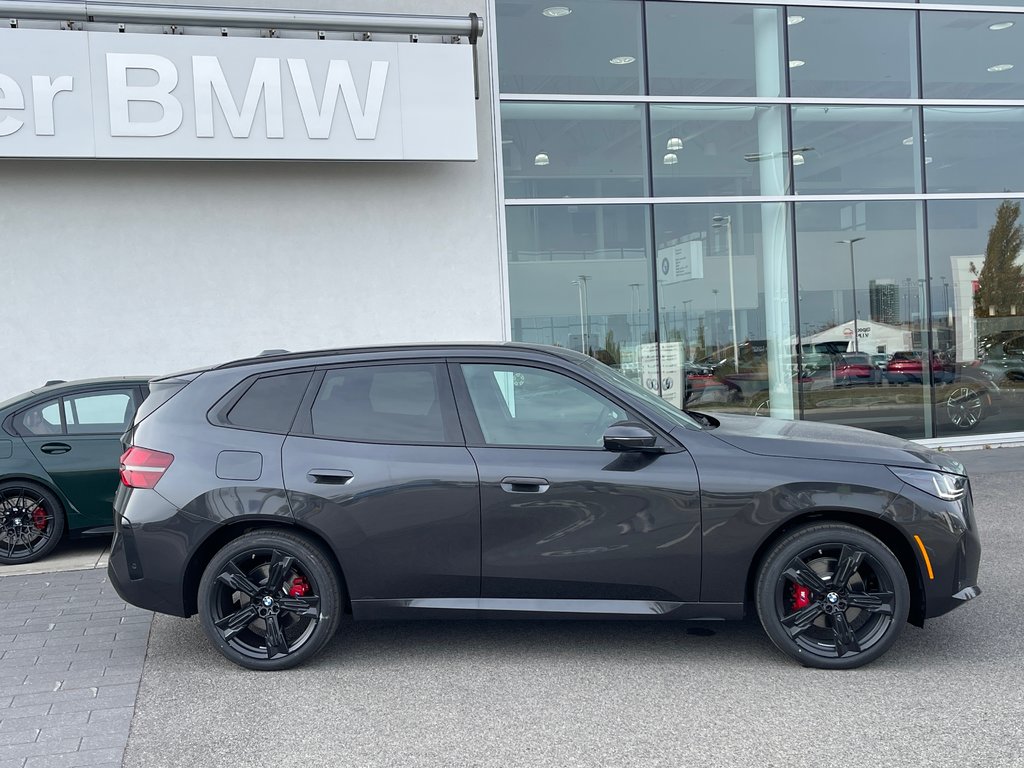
x,y
330,476
525,485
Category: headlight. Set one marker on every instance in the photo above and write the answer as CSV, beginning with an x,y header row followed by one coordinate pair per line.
x,y
939,484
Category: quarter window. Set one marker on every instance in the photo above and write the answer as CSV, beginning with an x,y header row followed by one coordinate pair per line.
x,y
384,404
43,419
269,405
516,405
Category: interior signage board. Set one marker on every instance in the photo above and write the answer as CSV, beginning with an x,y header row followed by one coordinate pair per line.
x,y
110,95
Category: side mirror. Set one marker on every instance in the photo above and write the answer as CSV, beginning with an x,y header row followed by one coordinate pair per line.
x,y
630,436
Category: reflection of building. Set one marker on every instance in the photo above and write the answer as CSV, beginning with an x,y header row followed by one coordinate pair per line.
x,y
884,298
875,338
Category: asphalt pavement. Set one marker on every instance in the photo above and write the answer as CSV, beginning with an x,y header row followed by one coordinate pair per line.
x,y
491,693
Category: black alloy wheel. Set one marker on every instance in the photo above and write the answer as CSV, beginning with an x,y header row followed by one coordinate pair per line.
x,y
832,596
31,522
964,408
269,600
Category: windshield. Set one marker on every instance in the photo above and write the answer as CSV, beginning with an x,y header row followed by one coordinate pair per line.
x,y
614,378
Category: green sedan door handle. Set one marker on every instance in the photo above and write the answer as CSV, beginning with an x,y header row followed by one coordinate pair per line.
x,y
55,448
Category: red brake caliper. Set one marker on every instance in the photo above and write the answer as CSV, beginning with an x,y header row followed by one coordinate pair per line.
x,y
801,597
39,518
299,587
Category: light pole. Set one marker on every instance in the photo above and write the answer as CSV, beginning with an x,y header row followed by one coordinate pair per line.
x,y
717,223
945,293
581,286
853,285
715,292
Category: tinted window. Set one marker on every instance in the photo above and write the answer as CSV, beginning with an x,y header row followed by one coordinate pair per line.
x,y
529,406
270,403
383,404
99,413
43,419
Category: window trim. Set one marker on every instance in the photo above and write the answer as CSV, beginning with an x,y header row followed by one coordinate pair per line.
x,y
474,433
302,426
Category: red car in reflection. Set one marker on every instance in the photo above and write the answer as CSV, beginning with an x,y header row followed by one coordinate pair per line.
x,y
855,368
908,367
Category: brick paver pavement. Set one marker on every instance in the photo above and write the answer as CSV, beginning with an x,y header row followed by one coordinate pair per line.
x,y
71,657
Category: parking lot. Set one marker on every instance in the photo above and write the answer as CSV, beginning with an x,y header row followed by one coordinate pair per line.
x,y
598,693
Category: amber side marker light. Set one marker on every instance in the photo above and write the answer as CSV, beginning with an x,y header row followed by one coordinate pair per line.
x,y
927,560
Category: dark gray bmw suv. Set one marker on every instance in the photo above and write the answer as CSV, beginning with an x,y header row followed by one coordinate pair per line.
x,y
273,494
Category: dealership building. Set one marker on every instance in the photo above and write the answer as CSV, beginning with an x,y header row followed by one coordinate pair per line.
x,y
811,211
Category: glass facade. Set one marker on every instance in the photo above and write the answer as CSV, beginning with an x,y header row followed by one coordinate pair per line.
x,y
808,212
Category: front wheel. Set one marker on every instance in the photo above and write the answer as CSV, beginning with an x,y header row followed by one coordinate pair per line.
x,y
832,596
964,408
269,600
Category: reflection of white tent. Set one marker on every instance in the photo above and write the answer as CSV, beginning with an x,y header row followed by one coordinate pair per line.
x,y
874,337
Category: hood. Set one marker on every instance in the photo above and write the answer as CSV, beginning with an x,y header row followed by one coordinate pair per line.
x,y
831,442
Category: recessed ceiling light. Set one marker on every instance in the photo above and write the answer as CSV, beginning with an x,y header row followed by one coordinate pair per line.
x,y
1000,25
1000,67
622,60
556,11
541,159
670,158
794,19
794,63
798,159
674,144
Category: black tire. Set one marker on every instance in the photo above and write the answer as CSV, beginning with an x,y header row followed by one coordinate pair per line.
x,y
31,522
251,589
965,408
832,627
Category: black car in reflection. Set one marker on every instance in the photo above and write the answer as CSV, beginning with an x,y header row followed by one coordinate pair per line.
x,y
272,495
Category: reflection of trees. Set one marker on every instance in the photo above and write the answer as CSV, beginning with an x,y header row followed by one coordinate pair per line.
x,y
1001,280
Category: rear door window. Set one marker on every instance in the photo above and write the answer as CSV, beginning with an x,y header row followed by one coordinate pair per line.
x,y
406,404
99,413
42,419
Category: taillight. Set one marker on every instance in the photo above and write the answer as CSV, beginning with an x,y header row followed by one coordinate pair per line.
x,y
143,468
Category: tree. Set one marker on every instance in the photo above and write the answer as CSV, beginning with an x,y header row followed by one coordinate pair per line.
x,y
1001,282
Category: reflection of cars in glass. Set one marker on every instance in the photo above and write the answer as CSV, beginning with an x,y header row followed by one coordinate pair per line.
x,y
853,368
272,495
59,449
908,367
1003,359
880,361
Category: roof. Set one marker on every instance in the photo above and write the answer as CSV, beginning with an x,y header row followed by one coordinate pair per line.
x,y
65,386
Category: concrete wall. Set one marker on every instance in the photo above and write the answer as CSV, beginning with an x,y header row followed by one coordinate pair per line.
x,y
125,267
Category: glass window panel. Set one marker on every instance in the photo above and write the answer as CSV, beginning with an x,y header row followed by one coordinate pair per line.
x,y
978,314
596,48
99,413
725,308
516,405
714,50
974,149
718,150
863,340
986,44
41,420
573,150
851,53
853,150
580,277
270,403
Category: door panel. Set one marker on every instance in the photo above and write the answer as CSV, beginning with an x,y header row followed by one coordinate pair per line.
x,y
85,469
609,526
404,520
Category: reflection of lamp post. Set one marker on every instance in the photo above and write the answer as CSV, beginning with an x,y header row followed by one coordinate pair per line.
x,y
853,285
945,293
715,341
635,302
718,222
581,286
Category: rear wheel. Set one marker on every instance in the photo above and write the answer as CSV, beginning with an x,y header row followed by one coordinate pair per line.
x,y
832,596
269,600
31,522
964,408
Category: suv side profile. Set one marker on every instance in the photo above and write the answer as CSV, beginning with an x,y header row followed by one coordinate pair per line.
x,y
271,495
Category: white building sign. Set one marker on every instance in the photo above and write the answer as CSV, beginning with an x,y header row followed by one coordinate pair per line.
x,y
680,262
106,95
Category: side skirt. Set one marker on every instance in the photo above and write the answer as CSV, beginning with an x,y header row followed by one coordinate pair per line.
x,y
514,608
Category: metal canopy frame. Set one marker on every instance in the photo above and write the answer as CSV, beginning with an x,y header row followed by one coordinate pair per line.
x,y
121,13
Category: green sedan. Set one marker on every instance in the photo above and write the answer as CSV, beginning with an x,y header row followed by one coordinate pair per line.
x,y
60,449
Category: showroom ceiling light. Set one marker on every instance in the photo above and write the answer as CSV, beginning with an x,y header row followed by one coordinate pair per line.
x,y
671,158
541,158
674,144
1000,67
556,11
794,19
622,60
1000,25
794,63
